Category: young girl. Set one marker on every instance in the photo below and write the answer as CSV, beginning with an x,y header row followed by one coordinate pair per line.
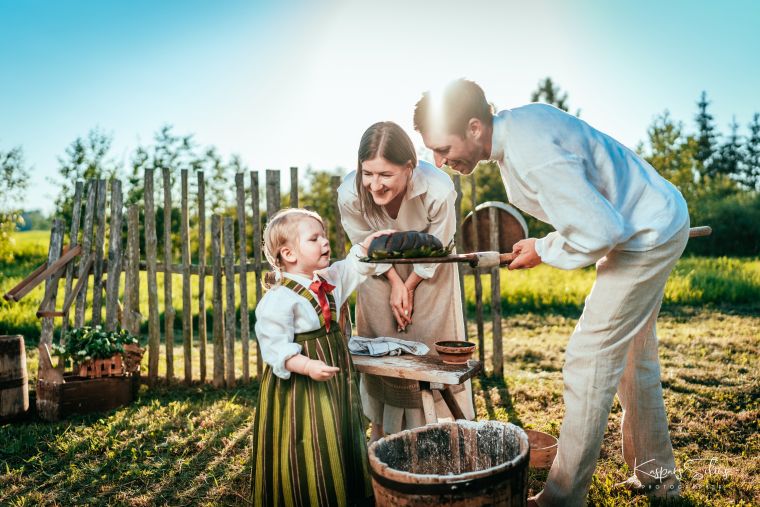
x,y
309,446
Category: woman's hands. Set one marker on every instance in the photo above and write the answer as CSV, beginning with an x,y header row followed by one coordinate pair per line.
x,y
400,301
313,368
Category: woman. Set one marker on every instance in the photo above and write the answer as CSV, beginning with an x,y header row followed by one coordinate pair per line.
x,y
421,302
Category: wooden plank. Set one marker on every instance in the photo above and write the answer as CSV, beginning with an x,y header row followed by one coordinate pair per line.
x,y
428,405
498,353
273,192
89,219
11,294
202,337
169,311
421,368
151,247
452,403
56,268
78,287
476,277
131,316
460,248
256,214
294,187
218,322
76,215
100,240
340,234
229,310
114,257
187,310
243,276
54,252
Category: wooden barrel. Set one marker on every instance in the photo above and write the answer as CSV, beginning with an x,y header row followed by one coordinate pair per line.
x,y
14,383
455,464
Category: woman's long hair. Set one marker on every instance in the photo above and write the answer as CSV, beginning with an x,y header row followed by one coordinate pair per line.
x,y
387,140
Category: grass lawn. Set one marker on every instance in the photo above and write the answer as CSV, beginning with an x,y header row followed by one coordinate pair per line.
x,y
191,445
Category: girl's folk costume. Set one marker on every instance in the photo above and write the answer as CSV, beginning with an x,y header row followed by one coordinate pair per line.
x,y
428,206
309,444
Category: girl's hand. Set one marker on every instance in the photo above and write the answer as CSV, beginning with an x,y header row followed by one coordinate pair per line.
x,y
319,371
365,244
400,305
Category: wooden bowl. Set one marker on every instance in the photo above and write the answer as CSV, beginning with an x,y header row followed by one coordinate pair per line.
x,y
454,352
543,448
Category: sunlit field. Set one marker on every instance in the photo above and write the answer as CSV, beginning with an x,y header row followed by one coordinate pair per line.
x,y
179,445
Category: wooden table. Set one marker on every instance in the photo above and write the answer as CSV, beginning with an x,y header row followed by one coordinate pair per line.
x,y
429,371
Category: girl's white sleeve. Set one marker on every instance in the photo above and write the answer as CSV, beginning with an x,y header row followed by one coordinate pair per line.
x,y
443,224
355,225
349,272
587,226
275,329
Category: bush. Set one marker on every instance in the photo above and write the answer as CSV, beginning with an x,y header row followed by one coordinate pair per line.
x,y
735,220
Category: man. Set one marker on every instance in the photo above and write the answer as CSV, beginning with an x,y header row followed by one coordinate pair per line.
x,y
609,207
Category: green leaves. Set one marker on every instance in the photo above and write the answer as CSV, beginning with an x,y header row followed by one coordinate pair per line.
x,y
86,343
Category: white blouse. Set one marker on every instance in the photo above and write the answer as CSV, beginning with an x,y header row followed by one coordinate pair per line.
x,y
428,206
282,313
595,192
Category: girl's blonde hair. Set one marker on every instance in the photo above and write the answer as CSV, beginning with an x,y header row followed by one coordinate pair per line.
x,y
280,231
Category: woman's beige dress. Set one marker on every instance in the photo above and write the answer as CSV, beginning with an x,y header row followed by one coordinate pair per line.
x,y
428,206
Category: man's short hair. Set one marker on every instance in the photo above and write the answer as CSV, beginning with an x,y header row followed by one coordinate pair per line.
x,y
458,103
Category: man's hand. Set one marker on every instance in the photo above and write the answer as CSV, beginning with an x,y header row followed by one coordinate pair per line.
x,y
527,258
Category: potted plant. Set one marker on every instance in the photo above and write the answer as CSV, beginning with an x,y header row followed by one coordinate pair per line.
x,y
96,352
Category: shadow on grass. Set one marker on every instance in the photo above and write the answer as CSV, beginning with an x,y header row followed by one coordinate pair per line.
x,y
488,382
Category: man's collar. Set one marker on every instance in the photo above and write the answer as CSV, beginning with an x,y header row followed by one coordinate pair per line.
x,y
418,184
498,137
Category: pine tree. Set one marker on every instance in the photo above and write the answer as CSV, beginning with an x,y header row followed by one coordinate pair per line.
x,y
706,138
549,93
750,176
729,160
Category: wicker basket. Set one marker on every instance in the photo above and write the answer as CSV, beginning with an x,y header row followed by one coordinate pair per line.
x,y
96,368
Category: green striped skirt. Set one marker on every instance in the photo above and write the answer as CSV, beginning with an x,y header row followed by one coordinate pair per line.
x,y
309,443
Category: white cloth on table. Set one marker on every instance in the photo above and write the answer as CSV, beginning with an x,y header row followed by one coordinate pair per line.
x,y
594,191
282,313
385,346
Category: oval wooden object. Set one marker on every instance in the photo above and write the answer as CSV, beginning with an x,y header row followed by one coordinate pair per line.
x,y
14,381
512,227
454,352
461,463
543,448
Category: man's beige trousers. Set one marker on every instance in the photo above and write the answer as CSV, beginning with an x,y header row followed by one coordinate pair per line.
x,y
614,349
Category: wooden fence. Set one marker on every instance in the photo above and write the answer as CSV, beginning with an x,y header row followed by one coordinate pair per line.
x,y
228,268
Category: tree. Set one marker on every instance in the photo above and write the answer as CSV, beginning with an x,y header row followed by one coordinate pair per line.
x,y
706,138
550,93
85,158
672,153
14,178
318,197
750,175
729,160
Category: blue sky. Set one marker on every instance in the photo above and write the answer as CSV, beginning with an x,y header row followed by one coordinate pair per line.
x,y
296,83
